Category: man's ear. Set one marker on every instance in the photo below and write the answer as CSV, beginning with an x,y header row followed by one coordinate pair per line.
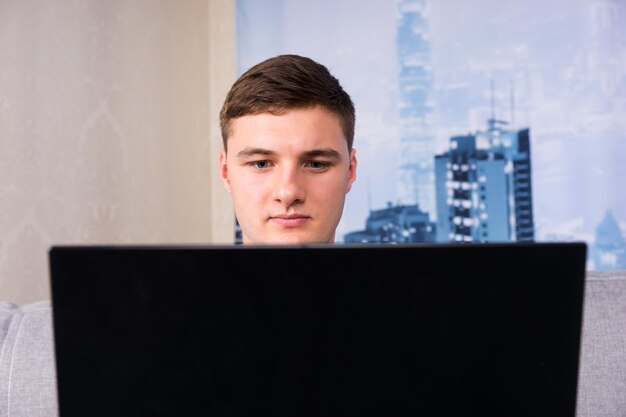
x,y
351,170
224,170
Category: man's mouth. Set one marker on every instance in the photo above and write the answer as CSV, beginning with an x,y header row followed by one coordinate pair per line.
x,y
289,220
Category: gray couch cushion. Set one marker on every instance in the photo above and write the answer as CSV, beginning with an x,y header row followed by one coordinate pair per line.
x,y
27,371
602,376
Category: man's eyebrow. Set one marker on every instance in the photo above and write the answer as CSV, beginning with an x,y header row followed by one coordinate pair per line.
x,y
313,153
322,153
250,152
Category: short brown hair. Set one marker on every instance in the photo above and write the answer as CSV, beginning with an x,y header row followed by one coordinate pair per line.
x,y
287,82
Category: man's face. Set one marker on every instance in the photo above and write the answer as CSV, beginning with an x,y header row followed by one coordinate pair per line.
x,y
288,175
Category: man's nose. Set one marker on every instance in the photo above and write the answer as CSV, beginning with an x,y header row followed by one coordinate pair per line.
x,y
289,186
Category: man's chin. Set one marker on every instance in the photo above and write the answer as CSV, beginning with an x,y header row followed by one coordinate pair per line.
x,y
291,238
288,236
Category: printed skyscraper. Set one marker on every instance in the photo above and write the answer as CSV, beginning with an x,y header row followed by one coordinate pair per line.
x,y
415,175
395,224
609,250
483,187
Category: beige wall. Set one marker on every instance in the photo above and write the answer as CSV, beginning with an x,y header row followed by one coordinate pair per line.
x,y
108,128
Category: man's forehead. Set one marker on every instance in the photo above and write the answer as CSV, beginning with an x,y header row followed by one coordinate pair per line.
x,y
297,120
293,136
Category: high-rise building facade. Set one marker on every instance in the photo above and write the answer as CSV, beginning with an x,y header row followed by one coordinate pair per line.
x,y
415,172
484,188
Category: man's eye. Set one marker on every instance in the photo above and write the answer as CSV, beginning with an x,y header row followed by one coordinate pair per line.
x,y
319,165
261,164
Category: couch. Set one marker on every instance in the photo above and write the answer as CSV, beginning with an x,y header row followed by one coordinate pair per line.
x,y
27,371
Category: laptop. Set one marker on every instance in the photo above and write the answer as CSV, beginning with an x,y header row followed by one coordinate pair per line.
x,y
318,330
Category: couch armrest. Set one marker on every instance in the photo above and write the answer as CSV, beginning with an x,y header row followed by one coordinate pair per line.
x,y
27,366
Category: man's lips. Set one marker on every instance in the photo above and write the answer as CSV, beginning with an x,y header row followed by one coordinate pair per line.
x,y
289,220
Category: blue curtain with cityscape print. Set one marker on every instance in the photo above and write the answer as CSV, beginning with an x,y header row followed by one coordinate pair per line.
x,y
480,121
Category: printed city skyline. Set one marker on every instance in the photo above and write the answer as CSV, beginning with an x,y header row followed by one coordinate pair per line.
x,y
557,69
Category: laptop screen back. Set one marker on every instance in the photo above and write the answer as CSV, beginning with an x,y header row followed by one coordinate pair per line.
x,y
334,330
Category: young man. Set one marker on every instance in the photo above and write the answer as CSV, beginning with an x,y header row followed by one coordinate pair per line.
x,y
287,158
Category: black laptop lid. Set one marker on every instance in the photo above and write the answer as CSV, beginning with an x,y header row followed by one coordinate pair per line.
x,y
334,330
